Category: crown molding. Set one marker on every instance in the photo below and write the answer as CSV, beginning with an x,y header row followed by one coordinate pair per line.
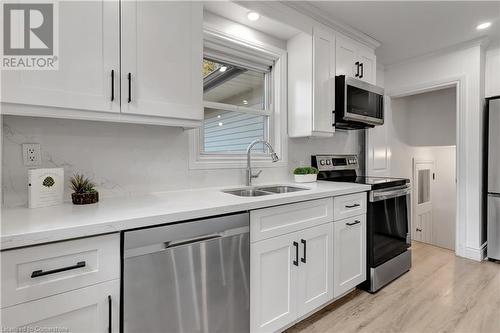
x,y
482,42
314,12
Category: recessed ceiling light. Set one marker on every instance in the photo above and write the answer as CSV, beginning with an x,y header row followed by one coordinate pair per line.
x,y
253,16
223,68
220,124
483,25
245,102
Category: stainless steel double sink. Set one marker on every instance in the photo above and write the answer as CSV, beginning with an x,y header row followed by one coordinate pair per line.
x,y
264,190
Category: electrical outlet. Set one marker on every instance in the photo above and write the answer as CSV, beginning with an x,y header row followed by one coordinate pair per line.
x,y
32,154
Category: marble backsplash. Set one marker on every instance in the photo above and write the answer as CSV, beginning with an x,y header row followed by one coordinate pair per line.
x,y
131,159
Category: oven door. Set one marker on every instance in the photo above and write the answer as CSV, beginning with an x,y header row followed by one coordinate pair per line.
x,y
364,102
388,224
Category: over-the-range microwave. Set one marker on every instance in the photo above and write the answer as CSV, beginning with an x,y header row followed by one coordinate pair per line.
x,y
357,104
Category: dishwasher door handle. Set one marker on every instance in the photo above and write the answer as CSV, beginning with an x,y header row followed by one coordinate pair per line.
x,y
171,244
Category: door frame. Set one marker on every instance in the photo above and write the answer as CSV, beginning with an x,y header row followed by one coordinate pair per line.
x,y
459,83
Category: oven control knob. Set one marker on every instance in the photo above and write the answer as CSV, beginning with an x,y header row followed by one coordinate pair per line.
x,y
322,162
328,162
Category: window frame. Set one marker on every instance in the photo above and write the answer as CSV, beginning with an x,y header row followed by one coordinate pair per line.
x,y
247,49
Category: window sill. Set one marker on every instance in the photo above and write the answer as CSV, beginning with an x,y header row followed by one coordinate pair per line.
x,y
213,162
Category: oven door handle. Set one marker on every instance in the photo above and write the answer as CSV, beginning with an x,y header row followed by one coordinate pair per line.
x,y
379,195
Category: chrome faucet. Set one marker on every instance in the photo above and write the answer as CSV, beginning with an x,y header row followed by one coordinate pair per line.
x,y
274,158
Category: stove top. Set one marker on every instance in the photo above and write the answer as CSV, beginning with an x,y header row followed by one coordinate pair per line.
x,y
344,168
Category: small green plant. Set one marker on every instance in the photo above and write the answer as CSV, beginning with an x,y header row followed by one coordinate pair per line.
x,y
305,171
48,182
82,184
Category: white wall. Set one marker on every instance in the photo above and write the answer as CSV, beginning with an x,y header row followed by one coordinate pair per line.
x,y
423,128
492,72
464,66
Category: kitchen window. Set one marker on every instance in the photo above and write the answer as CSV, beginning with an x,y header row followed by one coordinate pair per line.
x,y
237,106
244,97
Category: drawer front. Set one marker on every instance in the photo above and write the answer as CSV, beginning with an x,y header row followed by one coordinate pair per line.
x,y
274,221
349,205
40,271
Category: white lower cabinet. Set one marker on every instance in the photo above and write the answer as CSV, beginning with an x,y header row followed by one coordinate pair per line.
x,y
315,283
90,309
291,275
349,253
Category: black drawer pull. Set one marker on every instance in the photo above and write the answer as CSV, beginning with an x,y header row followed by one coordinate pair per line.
x,y
353,223
352,206
109,314
38,273
362,71
357,69
112,85
296,261
129,77
303,259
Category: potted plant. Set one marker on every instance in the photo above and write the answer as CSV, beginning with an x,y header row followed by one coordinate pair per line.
x,y
84,191
305,174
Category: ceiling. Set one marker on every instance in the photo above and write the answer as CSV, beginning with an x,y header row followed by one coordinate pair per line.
x,y
407,29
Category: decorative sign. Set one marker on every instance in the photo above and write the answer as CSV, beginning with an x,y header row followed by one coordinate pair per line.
x,y
45,187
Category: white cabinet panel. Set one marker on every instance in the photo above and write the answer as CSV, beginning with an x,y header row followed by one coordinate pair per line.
x,y
345,206
273,281
275,221
99,258
349,258
162,51
324,83
315,283
89,49
355,60
368,66
346,56
83,310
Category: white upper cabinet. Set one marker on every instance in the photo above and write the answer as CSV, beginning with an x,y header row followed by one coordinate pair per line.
x,y
152,75
311,84
162,54
355,60
89,52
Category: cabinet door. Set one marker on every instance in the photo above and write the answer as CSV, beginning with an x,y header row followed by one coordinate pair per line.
x,y
315,286
368,71
89,50
273,283
82,310
324,83
346,56
162,53
349,253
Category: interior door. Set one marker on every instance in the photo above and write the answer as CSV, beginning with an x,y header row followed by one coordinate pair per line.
x,y
315,285
423,175
89,50
162,54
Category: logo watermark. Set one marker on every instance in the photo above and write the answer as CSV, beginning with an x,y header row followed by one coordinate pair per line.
x,y
30,36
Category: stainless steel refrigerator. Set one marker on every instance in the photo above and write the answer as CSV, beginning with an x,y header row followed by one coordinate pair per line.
x,y
493,250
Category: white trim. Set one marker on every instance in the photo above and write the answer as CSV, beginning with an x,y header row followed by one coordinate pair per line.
x,y
461,248
475,254
278,118
236,108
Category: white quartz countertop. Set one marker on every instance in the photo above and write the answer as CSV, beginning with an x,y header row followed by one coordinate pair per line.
x,y
24,227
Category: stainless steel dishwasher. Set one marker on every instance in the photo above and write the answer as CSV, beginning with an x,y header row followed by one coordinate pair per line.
x,y
188,277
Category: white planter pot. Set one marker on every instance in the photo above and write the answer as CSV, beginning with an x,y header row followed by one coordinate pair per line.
x,y
305,178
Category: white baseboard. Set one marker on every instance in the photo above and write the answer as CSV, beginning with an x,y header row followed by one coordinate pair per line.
x,y
475,254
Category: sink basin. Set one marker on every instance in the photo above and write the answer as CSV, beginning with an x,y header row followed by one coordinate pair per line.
x,y
264,190
282,189
247,192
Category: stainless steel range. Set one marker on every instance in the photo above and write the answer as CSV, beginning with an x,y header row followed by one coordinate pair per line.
x,y
388,218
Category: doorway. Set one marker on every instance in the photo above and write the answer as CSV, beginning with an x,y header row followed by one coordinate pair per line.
x,y
424,150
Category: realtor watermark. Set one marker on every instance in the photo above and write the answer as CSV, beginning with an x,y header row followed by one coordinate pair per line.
x,y
30,36
34,329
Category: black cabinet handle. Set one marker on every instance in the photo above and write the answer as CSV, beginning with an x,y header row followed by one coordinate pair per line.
x,y
353,223
362,71
296,261
357,69
109,313
129,76
112,85
303,259
352,206
38,273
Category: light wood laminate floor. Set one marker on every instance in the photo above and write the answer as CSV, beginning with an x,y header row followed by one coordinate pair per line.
x,y
441,293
